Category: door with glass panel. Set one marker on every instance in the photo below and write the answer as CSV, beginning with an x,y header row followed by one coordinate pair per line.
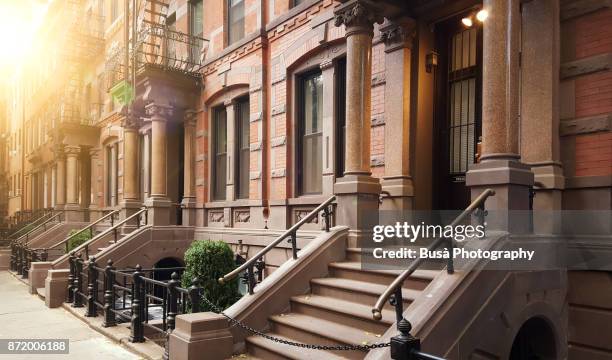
x,y
458,109
310,134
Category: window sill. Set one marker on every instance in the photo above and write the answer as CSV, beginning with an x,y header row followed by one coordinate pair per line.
x,y
233,203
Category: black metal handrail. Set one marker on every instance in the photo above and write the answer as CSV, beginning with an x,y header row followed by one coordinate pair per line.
x,y
114,229
251,263
15,230
98,290
395,288
42,220
89,227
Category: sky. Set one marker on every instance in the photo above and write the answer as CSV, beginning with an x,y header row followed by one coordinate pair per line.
x,y
19,20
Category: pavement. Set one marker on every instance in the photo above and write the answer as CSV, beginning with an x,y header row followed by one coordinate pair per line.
x,y
25,316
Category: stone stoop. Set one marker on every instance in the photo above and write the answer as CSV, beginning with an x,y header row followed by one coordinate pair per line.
x,y
336,311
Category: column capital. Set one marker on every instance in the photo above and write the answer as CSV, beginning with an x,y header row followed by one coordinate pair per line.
x,y
130,122
190,118
159,112
358,16
58,152
94,152
72,150
326,64
398,33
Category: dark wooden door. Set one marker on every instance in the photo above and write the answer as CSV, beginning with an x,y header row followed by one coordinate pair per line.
x,y
458,110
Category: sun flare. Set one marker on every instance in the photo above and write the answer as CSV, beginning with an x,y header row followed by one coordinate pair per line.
x,y
19,21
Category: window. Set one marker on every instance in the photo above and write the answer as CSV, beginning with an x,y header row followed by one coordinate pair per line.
x,y
295,3
196,27
219,160
340,116
309,152
243,147
114,10
235,11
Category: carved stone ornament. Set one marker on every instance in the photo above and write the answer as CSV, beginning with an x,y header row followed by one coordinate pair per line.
x,y
357,14
242,216
398,33
130,122
190,118
300,214
216,216
160,111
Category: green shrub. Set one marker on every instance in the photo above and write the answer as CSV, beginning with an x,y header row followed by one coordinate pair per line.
x,y
209,260
78,240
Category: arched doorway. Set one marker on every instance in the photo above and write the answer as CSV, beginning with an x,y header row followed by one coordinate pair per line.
x,y
534,341
165,267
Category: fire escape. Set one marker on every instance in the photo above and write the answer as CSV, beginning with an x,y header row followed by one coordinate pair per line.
x,y
158,46
84,39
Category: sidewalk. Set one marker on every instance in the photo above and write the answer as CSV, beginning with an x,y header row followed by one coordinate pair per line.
x,y
25,316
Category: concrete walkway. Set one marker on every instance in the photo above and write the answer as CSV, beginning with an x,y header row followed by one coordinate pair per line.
x,y
23,315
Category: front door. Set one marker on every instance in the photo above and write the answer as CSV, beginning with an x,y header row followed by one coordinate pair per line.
x,y
458,109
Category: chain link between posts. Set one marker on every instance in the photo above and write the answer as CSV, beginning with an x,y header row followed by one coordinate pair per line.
x,y
364,347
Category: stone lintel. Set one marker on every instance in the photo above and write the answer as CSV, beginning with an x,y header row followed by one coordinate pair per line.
x,y
585,125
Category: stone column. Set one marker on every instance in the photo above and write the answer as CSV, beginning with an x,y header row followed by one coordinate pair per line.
x,y
357,191
398,36
60,181
189,197
500,167
540,109
158,203
96,178
131,197
73,212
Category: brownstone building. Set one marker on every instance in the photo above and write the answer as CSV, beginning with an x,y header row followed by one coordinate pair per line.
x,y
235,119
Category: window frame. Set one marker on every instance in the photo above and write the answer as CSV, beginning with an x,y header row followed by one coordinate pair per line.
x,y
222,195
228,22
241,190
300,124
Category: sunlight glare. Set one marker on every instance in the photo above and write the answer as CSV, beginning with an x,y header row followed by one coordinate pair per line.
x,y
19,20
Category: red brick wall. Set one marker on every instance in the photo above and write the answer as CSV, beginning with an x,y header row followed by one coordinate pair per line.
x,y
594,154
593,93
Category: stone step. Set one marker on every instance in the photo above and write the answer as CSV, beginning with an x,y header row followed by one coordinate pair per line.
x,y
361,292
342,312
312,330
352,270
41,293
270,350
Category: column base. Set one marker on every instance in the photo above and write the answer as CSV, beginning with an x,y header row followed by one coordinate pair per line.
x,y
188,205
358,201
73,213
508,209
159,210
129,208
400,191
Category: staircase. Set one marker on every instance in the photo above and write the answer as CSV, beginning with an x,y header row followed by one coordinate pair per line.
x,y
336,311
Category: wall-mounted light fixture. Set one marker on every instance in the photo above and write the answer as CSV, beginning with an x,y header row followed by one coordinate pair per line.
x,y
481,15
431,61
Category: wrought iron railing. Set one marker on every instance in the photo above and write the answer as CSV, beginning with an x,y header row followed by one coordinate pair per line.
x,y
62,247
159,46
137,220
404,343
131,295
249,266
21,256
